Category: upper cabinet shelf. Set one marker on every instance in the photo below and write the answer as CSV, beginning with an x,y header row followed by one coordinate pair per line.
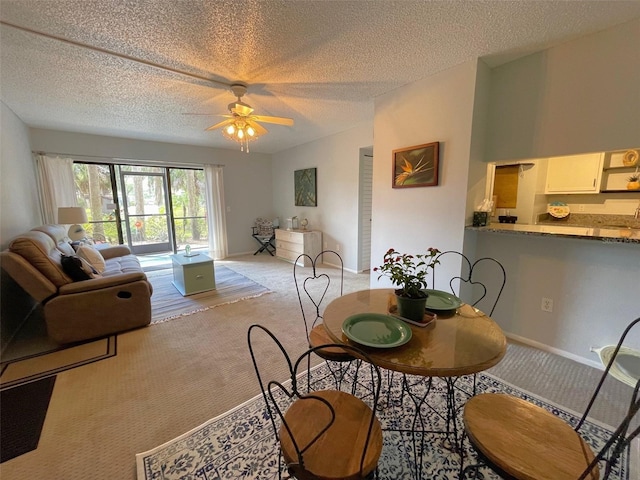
x,y
628,169
616,173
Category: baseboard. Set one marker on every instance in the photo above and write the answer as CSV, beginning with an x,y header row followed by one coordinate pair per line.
x,y
556,351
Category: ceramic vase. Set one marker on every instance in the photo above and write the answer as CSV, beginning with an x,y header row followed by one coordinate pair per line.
x,y
411,308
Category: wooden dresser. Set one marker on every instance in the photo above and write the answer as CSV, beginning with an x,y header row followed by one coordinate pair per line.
x,y
291,243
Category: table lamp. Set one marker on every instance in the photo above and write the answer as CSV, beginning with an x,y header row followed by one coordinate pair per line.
x,y
73,216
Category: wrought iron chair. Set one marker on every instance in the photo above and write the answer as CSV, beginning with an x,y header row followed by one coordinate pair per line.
x,y
475,280
520,440
265,234
325,433
312,288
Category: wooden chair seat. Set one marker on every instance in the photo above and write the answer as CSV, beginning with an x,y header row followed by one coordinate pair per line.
x,y
319,336
524,440
329,458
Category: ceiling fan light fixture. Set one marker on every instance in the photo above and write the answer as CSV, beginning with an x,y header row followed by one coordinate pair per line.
x,y
242,125
240,132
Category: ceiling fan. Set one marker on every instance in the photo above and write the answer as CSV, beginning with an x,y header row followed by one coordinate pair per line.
x,y
240,124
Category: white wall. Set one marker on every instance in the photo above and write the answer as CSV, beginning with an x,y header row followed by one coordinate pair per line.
x,y
579,97
247,177
594,287
19,208
437,109
337,161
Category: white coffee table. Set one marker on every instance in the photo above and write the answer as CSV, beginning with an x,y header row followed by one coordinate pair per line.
x,y
193,273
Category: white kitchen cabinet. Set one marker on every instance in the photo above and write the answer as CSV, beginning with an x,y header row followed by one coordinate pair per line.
x,y
574,174
291,243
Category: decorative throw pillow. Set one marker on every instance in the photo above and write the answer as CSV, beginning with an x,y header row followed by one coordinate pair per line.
x,y
77,268
75,244
91,255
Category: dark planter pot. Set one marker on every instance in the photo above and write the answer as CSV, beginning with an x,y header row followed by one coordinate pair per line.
x,y
411,308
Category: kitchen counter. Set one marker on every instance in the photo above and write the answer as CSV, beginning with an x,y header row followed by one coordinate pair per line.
x,y
613,235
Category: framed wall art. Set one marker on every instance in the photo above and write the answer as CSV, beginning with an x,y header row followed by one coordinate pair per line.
x,y
415,166
305,190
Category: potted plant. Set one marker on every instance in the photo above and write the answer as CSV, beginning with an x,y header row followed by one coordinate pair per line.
x,y
634,182
409,273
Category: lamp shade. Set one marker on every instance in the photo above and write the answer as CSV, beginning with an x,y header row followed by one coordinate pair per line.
x,y
71,215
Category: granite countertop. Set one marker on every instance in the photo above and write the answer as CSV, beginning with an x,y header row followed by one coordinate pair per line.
x,y
606,228
621,235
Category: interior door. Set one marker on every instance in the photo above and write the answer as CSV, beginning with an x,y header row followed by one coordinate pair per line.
x,y
364,210
146,211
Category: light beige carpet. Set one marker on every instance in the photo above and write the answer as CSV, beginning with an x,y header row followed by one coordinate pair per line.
x,y
167,303
171,377
40,366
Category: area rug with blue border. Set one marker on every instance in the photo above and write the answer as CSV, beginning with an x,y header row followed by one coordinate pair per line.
x,y
240,443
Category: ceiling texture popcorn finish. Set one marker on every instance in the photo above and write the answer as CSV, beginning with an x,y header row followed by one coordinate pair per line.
x,y
319,62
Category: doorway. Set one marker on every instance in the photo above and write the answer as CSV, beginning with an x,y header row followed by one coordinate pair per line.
x,y
145,203
364,209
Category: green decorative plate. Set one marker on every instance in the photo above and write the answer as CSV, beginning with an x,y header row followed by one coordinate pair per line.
x,y
437,300
376,330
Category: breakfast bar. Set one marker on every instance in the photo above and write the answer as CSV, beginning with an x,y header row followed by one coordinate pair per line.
x,y
621,234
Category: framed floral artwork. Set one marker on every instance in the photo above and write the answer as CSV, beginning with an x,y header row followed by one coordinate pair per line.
x,y
415,166
305,187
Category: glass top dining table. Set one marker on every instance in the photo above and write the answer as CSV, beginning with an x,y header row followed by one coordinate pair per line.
x,y
461,343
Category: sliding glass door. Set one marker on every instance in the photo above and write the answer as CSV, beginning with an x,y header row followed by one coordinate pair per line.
x,y
146,209
151,209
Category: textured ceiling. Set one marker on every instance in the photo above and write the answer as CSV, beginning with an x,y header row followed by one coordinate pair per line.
x,y
318,62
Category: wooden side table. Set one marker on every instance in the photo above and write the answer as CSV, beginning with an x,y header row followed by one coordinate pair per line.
x,y
193,274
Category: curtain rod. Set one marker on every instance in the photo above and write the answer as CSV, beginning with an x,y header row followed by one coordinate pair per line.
x,y
126,161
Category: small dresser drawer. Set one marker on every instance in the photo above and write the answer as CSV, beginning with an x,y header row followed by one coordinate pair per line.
x,y
288,255
292,247
288,236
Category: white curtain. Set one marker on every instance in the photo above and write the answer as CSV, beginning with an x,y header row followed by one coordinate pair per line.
x,y
216,218
56,186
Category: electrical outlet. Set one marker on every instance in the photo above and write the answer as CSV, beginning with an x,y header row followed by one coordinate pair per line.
x,y
547,304
337,247
581,208
325,245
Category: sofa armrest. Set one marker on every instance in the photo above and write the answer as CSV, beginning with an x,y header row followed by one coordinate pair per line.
x,y
114,251
99,283
93,314
27,276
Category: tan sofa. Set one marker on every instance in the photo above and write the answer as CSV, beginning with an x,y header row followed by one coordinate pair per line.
x,y
118,300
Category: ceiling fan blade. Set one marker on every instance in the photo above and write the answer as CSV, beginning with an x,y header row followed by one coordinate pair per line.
x,y
218,125
276,120
242,110
210,114
260,130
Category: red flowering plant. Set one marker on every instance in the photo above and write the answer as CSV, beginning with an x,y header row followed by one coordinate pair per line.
x,y
409,272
